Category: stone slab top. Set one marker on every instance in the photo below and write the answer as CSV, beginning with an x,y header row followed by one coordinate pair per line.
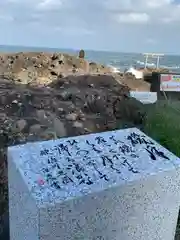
x,y
144,97
62,169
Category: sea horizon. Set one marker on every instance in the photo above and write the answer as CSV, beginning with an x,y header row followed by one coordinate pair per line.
x,y
117,59
3,46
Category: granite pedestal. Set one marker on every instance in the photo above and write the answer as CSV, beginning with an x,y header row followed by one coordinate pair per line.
x,y
109,186
144,97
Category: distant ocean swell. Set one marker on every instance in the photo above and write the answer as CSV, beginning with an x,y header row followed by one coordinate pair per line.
x,y
120,61
121,66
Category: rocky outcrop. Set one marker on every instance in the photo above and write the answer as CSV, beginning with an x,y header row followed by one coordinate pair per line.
x,y
151,70
43,68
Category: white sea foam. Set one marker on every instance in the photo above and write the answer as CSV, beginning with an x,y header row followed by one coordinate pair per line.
x,y
141,63
114,69
147,64
138,74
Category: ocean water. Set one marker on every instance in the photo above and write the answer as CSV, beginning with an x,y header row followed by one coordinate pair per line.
x,y
119,60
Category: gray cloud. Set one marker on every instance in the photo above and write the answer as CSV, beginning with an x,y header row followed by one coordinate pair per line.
x,y
124,25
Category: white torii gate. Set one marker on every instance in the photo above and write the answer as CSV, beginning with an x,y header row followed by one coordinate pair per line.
x,y
153,55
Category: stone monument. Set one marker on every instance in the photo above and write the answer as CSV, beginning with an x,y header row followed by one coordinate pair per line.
x,y
82,54
144,97
109,186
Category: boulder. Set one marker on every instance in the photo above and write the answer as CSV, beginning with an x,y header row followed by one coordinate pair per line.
x,y
129,110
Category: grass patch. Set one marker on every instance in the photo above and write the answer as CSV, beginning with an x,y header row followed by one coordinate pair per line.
x,y
163,125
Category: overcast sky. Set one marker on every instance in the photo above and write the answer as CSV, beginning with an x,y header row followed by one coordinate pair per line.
x,y
122,25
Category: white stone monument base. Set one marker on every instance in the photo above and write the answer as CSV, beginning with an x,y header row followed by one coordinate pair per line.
x,y
142,205
144,97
